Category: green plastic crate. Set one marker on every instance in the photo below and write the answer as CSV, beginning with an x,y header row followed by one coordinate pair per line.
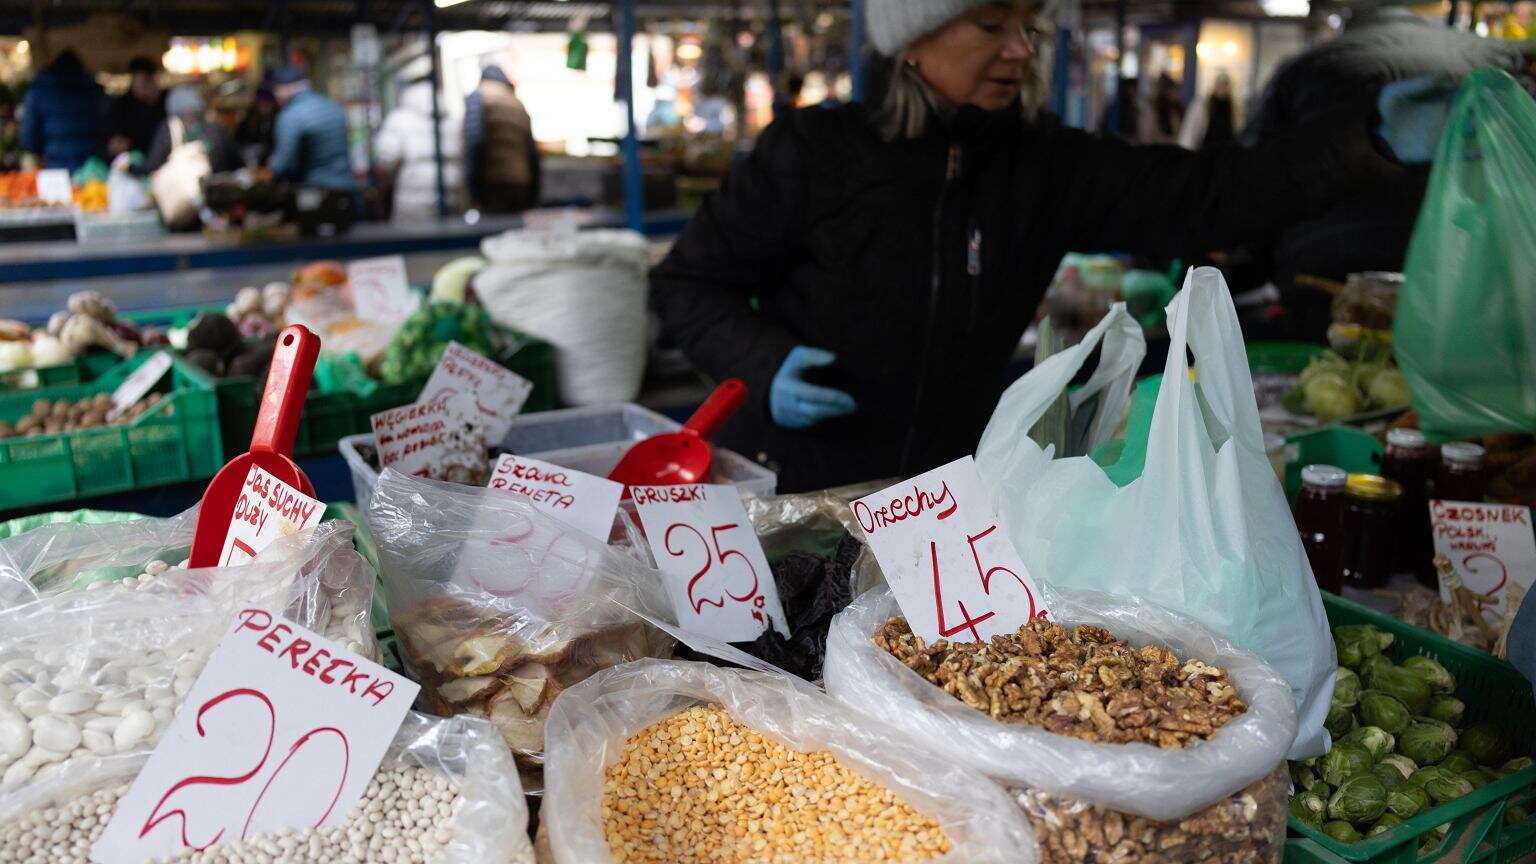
x,y
330,417
172,445
1339,446
1493,690
1281,356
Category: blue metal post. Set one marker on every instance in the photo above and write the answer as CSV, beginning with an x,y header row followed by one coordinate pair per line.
x,y
1061,73
437,110
634,179
775,55
856,68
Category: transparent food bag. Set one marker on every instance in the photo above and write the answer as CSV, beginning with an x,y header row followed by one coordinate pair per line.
x,y
499,607
592,721
488,824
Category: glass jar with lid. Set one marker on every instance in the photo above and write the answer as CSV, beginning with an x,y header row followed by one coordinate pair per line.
x,y
1463,475
1320,519
1371,505
1407,463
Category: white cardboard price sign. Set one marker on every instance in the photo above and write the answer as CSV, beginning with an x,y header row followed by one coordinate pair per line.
x,y
584,502
267,509
948,560
137,385
381,290
283,729
498,391
53,186
716,573
1491,547
430,439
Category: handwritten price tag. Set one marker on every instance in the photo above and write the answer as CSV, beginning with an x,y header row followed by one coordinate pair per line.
x,y
582,501
381,291
499,392
718,578
949,562
137,385
267,509
283,729
432,439
1491,546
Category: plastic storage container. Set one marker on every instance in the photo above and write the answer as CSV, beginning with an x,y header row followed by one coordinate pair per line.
x,y
591,440
1493,690
174,444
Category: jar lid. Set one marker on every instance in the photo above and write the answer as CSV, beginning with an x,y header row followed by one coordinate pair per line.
x,y
1369,487
1326,476
1463,453
1409,439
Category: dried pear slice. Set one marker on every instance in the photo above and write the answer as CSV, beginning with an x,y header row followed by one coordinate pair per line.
x,y
523,733
527,685
481,655
461,690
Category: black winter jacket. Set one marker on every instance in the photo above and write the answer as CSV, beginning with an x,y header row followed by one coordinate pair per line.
x,y
920,262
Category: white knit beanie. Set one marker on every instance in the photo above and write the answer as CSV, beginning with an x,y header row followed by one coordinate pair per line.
x,y
895,24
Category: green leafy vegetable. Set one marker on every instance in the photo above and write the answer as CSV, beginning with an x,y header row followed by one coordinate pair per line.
x,y
1406,800
1439,679
1390,777
1343,832
1406,686
1386,823
1384,711
1458,761
1309,807
1361,798
1427,741
1486,743
1340,720
1447,709
1377,740
1403,764
1519,763
1345,761
1346,690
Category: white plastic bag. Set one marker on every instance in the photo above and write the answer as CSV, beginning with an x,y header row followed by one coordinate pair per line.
x,y
592,721
489,826
51,558
1134,778
583,292
1205,530
482,585
178,184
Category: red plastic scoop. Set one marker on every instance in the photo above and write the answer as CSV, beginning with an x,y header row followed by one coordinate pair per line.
x,y
681,457
277,422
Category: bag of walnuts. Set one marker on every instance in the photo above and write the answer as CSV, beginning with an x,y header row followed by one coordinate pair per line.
x,y
1126,732
499,607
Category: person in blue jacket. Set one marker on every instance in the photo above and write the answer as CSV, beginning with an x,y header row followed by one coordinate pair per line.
x,y
309,140
64,116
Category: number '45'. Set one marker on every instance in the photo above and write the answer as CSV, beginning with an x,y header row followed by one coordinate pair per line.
x,y
985,574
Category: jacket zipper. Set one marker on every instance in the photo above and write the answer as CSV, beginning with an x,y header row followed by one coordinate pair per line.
x,y
973,269
936,284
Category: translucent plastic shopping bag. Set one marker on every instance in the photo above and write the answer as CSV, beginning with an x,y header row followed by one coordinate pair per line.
x,y
1466,319
1204,530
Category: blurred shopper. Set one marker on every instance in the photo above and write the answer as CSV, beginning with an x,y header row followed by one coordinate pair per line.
x,y
868,271
254,135
64,117
404,148
138,113
10,131
1163,116
309,137
1369,230
1214,121
501,159
187,123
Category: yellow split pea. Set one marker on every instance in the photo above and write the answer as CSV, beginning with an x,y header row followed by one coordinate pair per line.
x,y
700,788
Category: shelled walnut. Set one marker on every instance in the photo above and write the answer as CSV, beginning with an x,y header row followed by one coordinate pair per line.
x,y
1082,682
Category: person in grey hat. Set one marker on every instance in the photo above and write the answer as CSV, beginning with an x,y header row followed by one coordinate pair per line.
x,y
184,107
869,271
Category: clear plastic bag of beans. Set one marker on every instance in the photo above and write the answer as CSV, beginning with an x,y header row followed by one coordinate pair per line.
x,y
486,819
592,723
55,557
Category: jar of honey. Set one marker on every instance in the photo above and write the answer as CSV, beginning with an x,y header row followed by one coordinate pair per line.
x,y
1320,519
1371,505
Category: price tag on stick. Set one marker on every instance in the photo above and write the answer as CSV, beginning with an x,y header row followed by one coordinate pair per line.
x,y
580,500
137,385
1490,545
499,392
954,572
283,729
716,573
267,509
381,290
442,439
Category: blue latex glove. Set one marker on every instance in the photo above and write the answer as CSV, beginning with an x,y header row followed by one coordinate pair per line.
x,y
795,404
1413,116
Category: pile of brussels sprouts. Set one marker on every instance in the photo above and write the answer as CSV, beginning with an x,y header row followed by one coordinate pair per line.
x,y
1398,745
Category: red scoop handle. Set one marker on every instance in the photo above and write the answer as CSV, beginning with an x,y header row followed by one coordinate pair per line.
x,y
293,365
720,407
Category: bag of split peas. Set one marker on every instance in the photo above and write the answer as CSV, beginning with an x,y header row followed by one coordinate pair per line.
x,y
454,778
667,761
1126,731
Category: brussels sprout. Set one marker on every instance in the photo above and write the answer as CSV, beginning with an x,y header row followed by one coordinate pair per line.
x,y
1386,823
1302,777
1405,686
1390,777
1321,789
1340,721
1480,777
1434,837
1373,666
1343,832
1515,815
1423,775
1346,690
1345,761
1384,711
1519,763
1361,798
1309,807
1373,738
1439,679
1356,644
1447,786
1427,741
1402,763
1447,709
1407,801
1458,762
1486,743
